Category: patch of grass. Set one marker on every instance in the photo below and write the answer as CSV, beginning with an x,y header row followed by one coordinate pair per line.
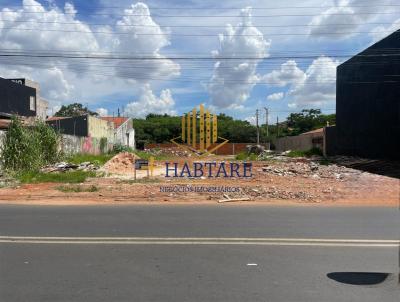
x,y
146,155
77,189
245,156
66,177
308,153
296,153
99,159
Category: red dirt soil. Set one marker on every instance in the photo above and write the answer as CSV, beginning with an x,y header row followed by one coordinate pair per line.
x,y
350,187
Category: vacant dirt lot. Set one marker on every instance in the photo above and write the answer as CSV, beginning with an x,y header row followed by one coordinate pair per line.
x,y
287,181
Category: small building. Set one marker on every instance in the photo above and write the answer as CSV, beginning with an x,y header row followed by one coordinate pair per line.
x,y
124,134
84,125
41,104
302,142
17,99
84,134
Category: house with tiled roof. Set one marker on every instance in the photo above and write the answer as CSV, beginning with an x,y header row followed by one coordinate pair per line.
x,y
124,134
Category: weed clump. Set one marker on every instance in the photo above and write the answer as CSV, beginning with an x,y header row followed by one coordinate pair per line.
x,y
28,148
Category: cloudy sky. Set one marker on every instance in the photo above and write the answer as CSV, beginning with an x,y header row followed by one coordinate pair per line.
x,y
168,56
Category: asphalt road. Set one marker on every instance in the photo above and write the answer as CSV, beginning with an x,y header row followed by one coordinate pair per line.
x,y
196,253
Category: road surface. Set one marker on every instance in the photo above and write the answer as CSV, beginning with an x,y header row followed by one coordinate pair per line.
x,y
196,253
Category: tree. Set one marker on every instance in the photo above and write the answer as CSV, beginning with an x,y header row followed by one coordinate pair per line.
x,y
158,128
307,120
75,109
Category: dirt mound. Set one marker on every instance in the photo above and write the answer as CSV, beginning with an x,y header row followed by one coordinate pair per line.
x,y
122,163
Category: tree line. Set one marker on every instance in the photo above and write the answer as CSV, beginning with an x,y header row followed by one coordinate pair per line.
x,y
156,128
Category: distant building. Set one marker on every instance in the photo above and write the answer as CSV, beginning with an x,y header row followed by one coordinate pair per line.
x,y
22,97
17,99
85,125
302,142
41,104
124,134
368,103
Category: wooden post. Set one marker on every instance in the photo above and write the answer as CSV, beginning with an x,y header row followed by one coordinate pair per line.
x,y
201,128
151,165
188,128
134,167
183,135
208,129
215,129
194,113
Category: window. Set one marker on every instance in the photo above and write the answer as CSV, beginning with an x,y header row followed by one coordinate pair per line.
x,y
32,103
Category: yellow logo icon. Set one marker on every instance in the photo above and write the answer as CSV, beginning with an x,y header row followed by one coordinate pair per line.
x,y
199,132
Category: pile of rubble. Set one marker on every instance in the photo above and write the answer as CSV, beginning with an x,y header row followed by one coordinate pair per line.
x,y
171,151
122,163
6,181
64,167
271,155
309,168
275,193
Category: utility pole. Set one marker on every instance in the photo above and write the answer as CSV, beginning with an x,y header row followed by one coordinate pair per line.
x,y
258,129
266,119
277,126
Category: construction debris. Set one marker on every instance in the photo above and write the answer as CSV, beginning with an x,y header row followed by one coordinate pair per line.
x,y
7,181
171,151
228,199
64,167
309,169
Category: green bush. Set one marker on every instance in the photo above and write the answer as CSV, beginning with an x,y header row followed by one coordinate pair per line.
x,y
120,148
246,156
308,153
29,148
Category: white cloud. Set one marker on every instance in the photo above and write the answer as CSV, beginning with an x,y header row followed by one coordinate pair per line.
x,y
233,80
53,85
381,32
319,84
143,37
102,111
344,18
316,85
275,96
150,103
289,73
41,32
51,29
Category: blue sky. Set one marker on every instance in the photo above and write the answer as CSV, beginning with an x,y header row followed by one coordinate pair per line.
x,y
281,55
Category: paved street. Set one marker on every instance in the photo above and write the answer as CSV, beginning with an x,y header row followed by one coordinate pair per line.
x,y
195,253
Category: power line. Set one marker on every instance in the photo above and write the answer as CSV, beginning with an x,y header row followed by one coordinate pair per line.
x,y
195,26
207,81
258,128
215,16
190,35
65,56
223,8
